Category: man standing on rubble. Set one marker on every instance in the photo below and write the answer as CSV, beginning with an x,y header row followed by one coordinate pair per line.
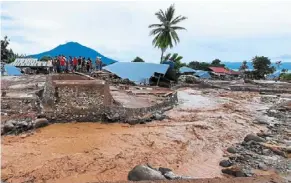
x,y
79,63
97,63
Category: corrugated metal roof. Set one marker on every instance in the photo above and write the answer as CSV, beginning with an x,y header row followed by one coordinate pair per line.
x,y
136,71
202,74
30,62
218,69
186,69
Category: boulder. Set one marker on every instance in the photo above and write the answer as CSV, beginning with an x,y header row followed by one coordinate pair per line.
x,y
164,170
144,172
22,124
262,166
225,163
288,149
234,171
8,126
41,122
232,150
253,137
171,176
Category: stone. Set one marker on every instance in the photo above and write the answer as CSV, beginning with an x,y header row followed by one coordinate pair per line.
x,y
262,166
253,137
171,176
143,172
288,149
41,122
234,171
8,126
232,150
22,124
158,116
164,170
225,163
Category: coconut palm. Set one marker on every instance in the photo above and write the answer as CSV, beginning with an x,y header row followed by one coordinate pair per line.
x,y
175,57
165,32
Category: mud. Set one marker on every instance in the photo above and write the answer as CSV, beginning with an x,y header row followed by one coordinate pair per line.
x,y
191,141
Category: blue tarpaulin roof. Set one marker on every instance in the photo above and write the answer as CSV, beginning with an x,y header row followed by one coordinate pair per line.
x,y
11,70
202,74
186,69
274,75
136,71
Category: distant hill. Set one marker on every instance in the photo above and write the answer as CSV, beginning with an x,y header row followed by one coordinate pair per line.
x,y
74,49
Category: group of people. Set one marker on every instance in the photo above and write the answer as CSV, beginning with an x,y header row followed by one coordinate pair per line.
x,y
73,64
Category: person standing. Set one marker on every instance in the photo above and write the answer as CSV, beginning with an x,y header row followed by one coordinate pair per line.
x,y
59,64
97,63
75,63
101,63
62,62
79,63
88,65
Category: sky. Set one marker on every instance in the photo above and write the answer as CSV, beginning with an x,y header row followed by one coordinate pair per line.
x,y
227,30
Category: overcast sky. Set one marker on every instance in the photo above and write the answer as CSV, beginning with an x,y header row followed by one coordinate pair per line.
x,y
228,30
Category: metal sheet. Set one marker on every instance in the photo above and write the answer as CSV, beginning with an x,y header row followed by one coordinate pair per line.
x,y
186,69
136,71
30,62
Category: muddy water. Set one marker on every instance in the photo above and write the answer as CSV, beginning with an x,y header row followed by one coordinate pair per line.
x,y
191,142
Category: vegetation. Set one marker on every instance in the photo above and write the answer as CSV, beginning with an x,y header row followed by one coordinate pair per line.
x,y
286,76
262,66
7,55
46,58
175,57
138,59
205,65
244,66
165,31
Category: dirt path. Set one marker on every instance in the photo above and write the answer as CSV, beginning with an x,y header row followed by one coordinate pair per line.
x,y
191,141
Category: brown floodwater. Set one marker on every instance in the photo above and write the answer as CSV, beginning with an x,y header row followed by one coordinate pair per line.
x,y
191,142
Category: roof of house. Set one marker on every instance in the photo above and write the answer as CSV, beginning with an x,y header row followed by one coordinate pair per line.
x,y
222,70
30,62
136,71
186,69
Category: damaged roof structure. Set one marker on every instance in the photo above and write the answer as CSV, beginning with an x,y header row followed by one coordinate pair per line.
x,y
138,72
30,62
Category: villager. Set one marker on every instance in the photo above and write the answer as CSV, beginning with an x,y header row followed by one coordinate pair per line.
x,y
100,63
83,64
55,60
58,64
62,62
75,63
88,65
70,63
97,63
79,63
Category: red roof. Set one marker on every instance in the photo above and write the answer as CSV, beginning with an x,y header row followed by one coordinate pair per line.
x,y
222,70
219,69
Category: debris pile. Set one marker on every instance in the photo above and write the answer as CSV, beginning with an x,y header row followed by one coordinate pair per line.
x,y
267,150
111,78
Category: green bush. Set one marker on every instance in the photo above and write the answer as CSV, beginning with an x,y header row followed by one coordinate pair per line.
x,y
286,76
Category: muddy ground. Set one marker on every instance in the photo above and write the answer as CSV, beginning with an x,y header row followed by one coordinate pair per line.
x,y
192,140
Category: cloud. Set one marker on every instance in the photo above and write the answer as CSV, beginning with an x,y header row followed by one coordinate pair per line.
x,y
227,30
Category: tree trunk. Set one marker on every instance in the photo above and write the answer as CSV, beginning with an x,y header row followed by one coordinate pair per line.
x,y
163,51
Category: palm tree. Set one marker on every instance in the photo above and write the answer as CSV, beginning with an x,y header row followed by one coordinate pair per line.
x,y
175,57
165,32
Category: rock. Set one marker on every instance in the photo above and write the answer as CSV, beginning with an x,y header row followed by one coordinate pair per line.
x,y
22,124
8,126
158,116
171,176
143,172
225,163
266,152
164,170
262,166
231,150
288,149
253,137
41,122
234,171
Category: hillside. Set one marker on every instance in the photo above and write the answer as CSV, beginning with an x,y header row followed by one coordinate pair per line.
x,y
74,49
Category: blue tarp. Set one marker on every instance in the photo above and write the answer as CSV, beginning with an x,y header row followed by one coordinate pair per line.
x,y
12,70
170,63
186,69
136,71
274,75
202,74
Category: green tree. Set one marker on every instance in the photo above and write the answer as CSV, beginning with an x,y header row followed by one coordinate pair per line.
x,y
46,58
138,59
7,55
262,66
217,63
165,32
175,57
284,70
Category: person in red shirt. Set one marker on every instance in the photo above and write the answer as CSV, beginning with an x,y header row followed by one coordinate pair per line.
x,y
62,63
75,63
